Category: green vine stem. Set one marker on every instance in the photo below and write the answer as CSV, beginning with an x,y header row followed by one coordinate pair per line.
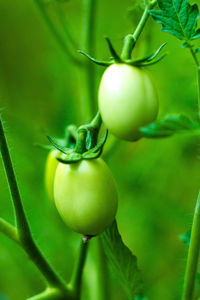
x,y
55,32
131,39
9,230
103,290
198,77
23,230
49,294
88,72
75,283
193,254
194,247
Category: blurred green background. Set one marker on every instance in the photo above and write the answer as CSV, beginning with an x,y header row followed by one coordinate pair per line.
x,y
158,180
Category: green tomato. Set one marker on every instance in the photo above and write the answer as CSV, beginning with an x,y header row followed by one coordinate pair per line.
x,y
127,100
85,195
50,170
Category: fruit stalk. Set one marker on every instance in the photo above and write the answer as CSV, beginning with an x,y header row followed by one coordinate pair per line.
x,y
131,39
88,72
78,270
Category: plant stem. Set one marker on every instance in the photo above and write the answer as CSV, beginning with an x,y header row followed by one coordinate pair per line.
x,y
103,273
22,224
131,39
78,270
9,230
49,293
193,254
194,247
55,32
198,77
23,229
88,72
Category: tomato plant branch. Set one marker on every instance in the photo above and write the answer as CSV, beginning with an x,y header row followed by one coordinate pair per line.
x,y
193,254
9,230
23,230
63,45
198,77
194,247
131,39
78,270
103,272
49,293
88,72
149,5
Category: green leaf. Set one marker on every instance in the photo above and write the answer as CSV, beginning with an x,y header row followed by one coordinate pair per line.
x,y
123,262
170,125
178,17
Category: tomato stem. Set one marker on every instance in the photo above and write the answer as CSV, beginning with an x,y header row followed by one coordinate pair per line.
x,y
9,230
193,254
198,78
78,270
127,49
131,39
23,230
194,247
88,72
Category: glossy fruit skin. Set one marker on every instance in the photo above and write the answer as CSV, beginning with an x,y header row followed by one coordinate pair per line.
x,y
127,100
50,170
85,195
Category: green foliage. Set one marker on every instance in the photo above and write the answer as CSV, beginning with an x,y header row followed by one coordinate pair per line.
x,y
170,125
178,17
123,262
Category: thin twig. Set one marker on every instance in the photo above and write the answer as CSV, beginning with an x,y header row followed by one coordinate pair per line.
x,y
9,230
78,270
24,233
88,72
193,255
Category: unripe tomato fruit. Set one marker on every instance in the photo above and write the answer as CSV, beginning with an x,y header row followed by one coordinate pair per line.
x,y
85,195
50,170
127,100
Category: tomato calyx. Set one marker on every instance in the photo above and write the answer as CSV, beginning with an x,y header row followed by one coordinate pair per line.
x,y
87,145
125,57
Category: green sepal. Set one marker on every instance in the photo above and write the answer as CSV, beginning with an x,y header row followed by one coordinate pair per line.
x,y
70,158
114,54
61,148
97,62
149,59
154,61
100,145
